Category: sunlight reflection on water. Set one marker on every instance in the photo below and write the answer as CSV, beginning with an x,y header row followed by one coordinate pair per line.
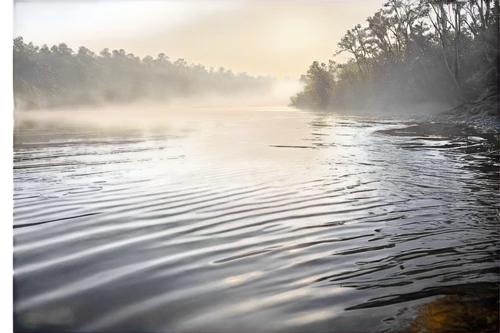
x,y
263,220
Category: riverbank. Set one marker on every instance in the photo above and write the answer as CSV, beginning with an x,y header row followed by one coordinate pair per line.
x,y
413,72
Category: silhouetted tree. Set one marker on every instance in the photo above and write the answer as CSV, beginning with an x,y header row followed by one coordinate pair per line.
x,y
58,76
415,57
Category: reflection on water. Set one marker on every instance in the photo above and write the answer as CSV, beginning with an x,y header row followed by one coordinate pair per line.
x,y
262,221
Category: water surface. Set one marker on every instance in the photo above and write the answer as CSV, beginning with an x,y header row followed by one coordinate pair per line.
x,y
256,221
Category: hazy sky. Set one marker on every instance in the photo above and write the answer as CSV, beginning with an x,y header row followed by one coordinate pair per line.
x,y
258,37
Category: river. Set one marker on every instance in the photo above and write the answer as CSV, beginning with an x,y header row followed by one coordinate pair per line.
x,y
256,220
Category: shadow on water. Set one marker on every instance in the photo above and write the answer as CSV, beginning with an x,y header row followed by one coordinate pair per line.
x,y
238,225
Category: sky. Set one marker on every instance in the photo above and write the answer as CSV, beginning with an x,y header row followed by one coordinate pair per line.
x,y
277,38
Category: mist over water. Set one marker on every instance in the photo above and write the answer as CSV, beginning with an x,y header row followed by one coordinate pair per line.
x,y
251,219
151,114
160,195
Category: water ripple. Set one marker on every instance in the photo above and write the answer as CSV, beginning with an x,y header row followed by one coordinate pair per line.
x,y
326,225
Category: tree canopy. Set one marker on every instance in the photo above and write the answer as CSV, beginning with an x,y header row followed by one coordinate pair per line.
x,y
59,76
412,51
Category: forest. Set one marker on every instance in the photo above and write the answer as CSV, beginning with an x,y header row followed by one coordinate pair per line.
x,y
55,77
410,52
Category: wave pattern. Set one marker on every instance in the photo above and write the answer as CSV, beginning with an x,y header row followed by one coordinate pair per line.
x,y
278,221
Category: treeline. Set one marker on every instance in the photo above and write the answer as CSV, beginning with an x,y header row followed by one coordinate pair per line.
x,y
410,51
59,76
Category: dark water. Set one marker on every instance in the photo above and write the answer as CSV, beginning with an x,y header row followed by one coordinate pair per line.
x,y
258,222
